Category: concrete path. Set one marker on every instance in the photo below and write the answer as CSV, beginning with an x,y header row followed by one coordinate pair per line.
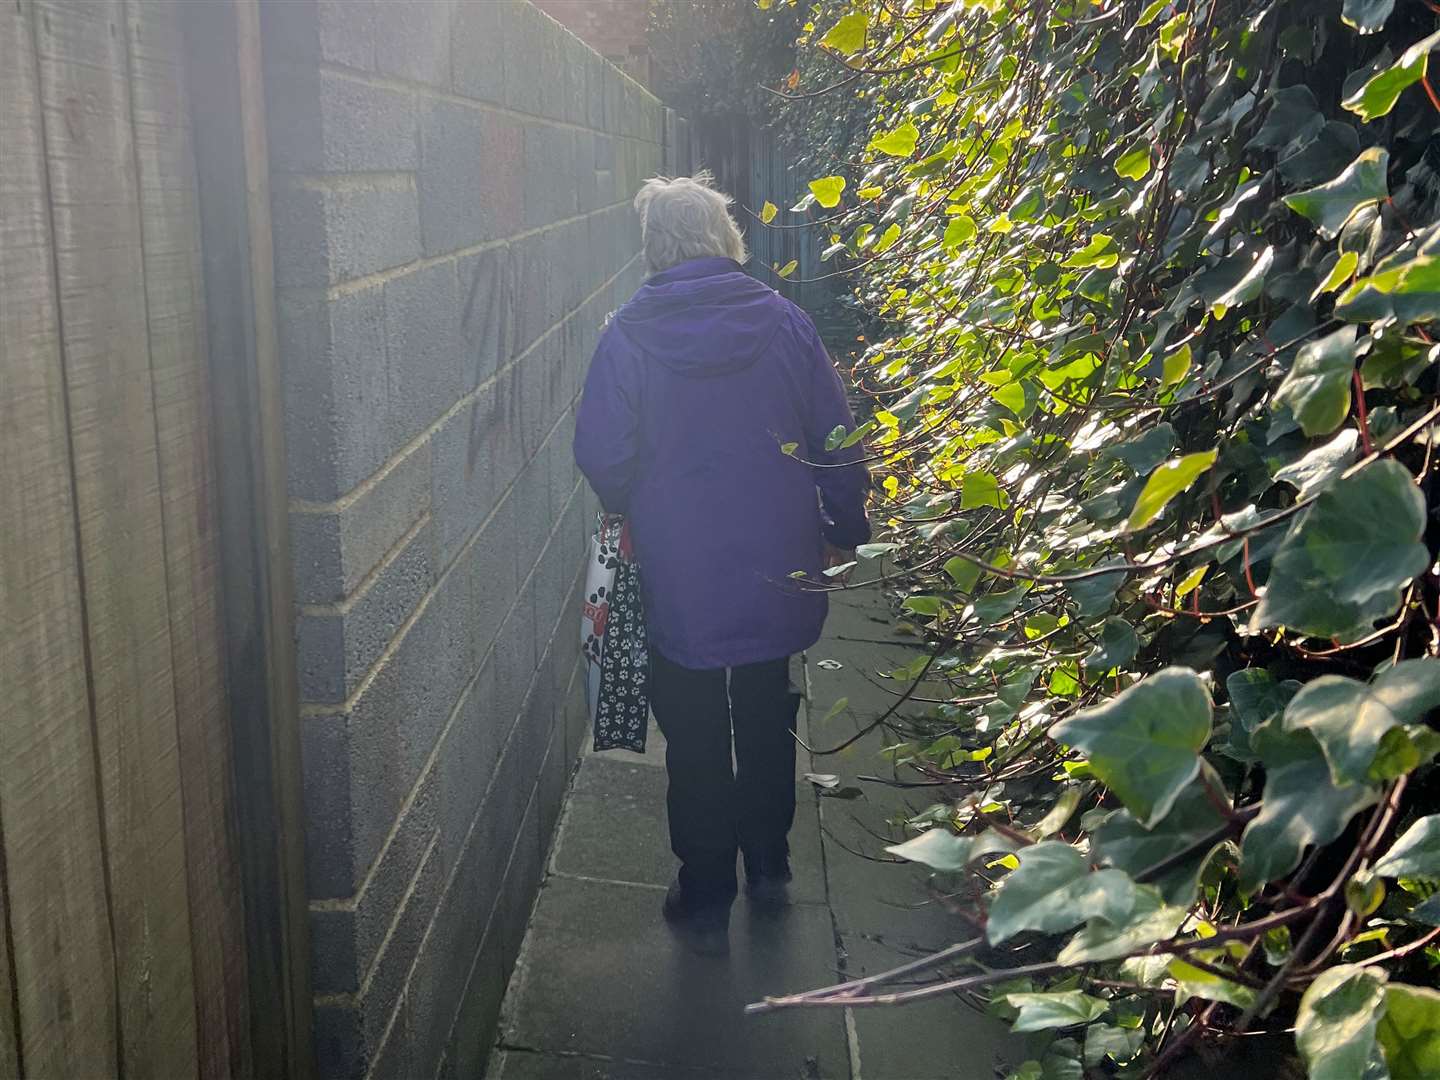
x,y
602,990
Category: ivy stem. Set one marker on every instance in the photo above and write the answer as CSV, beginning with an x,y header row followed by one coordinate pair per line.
x,y
1360,413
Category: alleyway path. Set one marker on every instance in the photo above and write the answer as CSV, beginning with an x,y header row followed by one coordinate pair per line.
x,y
603,992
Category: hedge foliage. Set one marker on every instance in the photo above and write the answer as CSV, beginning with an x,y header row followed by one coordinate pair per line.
x,y
1156,398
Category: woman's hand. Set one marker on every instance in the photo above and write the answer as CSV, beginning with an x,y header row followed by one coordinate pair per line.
x,y
834,557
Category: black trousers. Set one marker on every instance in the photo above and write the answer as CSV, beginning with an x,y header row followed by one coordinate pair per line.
x,y
716,809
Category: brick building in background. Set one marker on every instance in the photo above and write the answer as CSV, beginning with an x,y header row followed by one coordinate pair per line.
x,y
616,29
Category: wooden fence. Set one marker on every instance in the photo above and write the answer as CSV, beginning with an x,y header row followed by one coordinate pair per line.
x,y
749,164
123,950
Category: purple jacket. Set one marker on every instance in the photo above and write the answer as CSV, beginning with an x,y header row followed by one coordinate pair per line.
x,y
695,386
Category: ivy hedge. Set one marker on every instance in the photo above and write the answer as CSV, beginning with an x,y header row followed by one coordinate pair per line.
x,y
1157,283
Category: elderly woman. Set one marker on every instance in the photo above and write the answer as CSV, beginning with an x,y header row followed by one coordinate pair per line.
x,y
698,388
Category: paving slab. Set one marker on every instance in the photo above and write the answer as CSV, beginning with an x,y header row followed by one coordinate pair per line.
x,y
603,990
943,1039
530,1065
603,975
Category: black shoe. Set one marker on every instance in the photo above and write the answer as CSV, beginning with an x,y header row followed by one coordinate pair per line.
x,y
704,925
769,886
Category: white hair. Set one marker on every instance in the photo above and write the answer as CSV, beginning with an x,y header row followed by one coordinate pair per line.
x,y
686,218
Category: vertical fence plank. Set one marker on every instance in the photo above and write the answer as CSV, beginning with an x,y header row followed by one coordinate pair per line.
x,y
9,1014
100,269
62,1018
174,293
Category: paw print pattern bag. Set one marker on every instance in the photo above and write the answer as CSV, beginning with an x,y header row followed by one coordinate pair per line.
x,y
612,637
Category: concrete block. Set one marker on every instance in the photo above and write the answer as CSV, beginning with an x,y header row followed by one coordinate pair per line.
x,y
534,508
462,482
549,162
490,562
459,656
477,49
491,452
329,231
333,429
363,763
331,31
472,1034
487,321
327,121
606,189
514,660
346,939
554,778
532,282
412,40
337,646
583,171
424,347
446,962
382,998
471,176
467,765
574,57
533,87
331,859
394,1058
334,546
339,1042
595,68
522,882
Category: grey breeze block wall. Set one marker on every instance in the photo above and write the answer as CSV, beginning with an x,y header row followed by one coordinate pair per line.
x,y
450,194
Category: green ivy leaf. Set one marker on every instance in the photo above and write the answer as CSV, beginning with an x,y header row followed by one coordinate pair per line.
x,y
1053,890
898,143
1144,743
1193,982
1416,854
1117,646
1409,1032
1409,291
1349,718
1335,1026
827,191
1148,920
937,848
981,489
1301,805
1119,1044
960,230
1096,593
1321,465
847,36
1101,253
1344,268
924,605
1144,452
1331,205
1174,367
1317,389
1058,1009
1124,843
1343,562
963,572
1134,164
1378,96
1165,483
1255,696
1367,16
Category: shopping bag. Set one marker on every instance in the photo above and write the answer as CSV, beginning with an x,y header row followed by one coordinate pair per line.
x,y
612,638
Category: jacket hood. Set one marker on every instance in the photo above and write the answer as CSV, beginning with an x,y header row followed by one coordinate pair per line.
x,y
703,318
